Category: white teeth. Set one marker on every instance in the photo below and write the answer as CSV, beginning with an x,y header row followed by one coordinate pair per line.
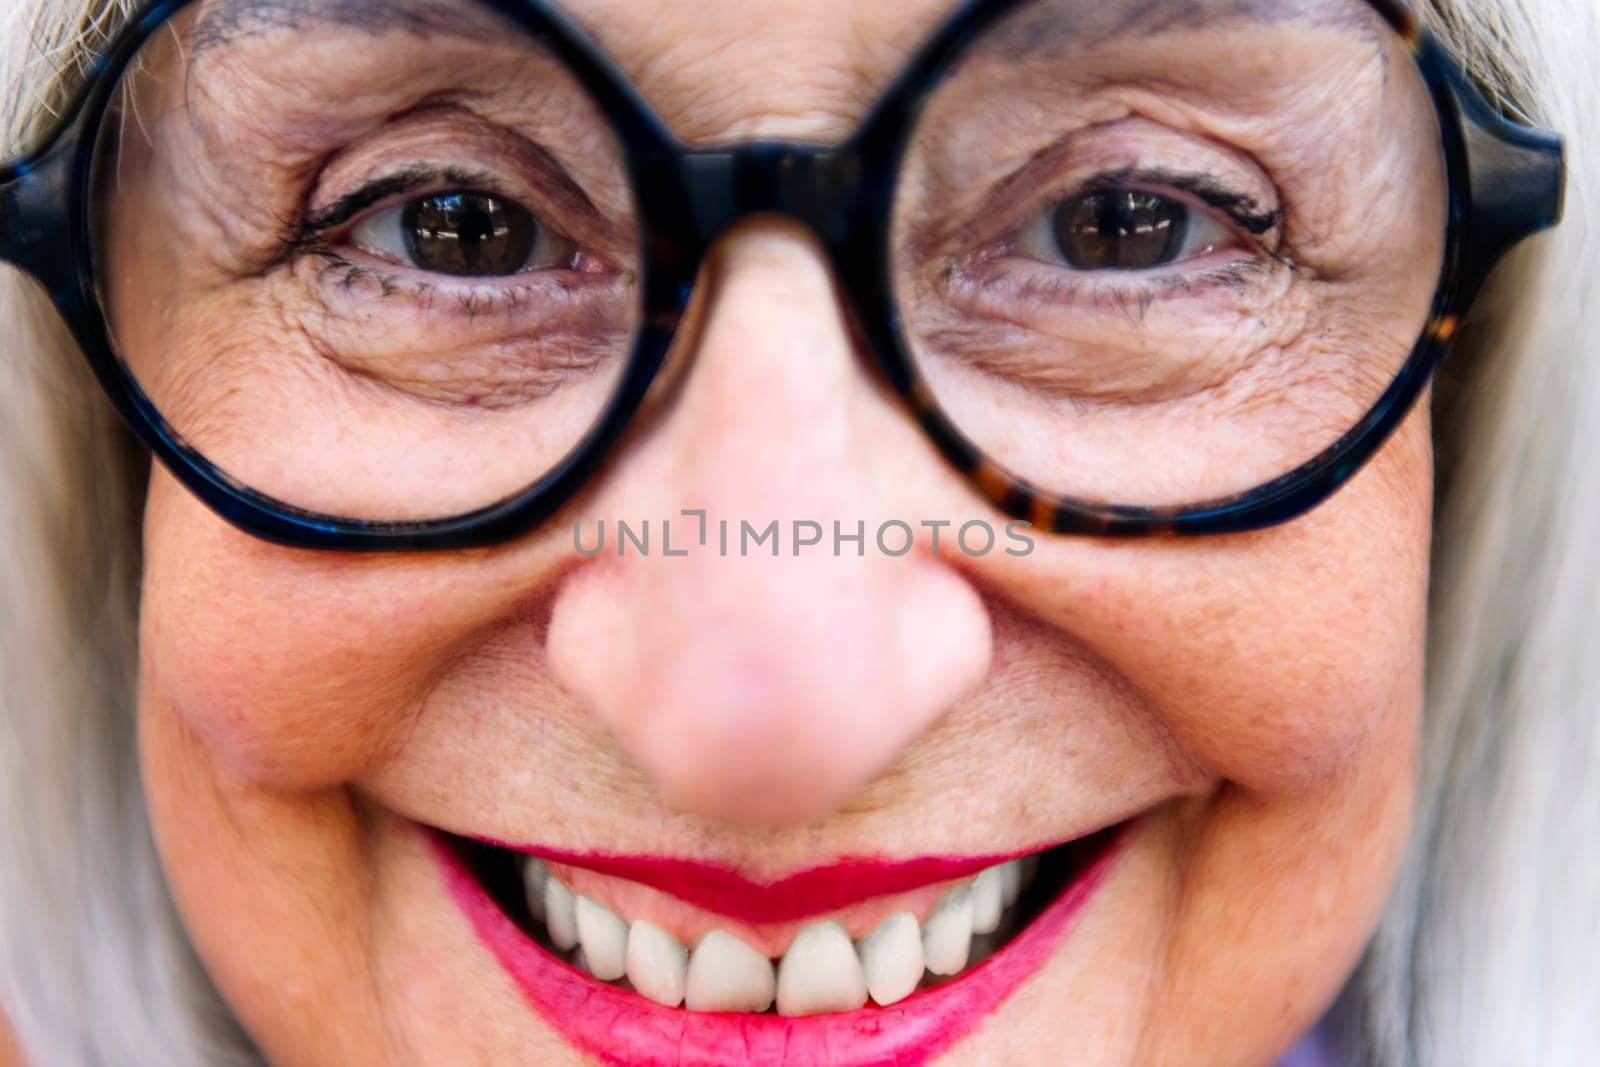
x,y
725,974
1010,882
820,972
534,876
658,964
891,958
604,938
986,905
947,933
560,920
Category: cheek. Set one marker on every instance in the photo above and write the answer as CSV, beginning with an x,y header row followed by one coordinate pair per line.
x,y
1304,659
1277,659
292,669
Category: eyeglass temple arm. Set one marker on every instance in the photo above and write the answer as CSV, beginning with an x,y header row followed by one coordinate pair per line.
x,y
35,205
1517,184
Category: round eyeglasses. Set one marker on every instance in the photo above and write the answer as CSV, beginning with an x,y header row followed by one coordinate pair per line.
x,y
395,274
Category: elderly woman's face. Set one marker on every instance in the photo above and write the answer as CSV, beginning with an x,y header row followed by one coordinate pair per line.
x,y
719,753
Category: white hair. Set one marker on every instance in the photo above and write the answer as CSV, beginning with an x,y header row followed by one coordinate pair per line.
x,y
1489,952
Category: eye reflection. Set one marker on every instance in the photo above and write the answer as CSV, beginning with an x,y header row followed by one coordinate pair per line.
x,y
1127,230
463,233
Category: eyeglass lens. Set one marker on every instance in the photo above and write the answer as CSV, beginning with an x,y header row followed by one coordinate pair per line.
x,y
384,264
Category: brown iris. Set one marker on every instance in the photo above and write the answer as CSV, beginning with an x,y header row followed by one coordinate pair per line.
x,y
1121,229
469,233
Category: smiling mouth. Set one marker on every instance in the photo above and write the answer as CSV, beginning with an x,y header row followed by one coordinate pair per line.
x,y
860,960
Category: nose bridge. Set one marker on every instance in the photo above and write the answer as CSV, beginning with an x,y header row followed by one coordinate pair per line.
x,y
811,183
782,639
773,361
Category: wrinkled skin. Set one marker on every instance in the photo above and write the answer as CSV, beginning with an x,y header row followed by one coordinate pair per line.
x,y
1253,699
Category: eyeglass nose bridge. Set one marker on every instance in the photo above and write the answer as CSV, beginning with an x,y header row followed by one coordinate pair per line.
x,y
723,185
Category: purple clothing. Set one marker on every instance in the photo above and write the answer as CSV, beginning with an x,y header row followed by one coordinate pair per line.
x,y
1314,1050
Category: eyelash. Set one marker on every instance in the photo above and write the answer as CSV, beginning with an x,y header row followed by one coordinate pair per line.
x,y
1134,300
478,301
1058,283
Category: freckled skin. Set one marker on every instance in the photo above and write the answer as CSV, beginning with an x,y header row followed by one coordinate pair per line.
x,y
1254,698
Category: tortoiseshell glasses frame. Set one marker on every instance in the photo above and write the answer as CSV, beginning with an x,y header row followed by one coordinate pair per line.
x,y
1505,182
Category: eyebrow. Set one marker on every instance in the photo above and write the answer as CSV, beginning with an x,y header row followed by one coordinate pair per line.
x,y
231,20
1083,23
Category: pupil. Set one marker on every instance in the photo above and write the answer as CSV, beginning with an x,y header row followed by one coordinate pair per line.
x,y
1121,229
467,233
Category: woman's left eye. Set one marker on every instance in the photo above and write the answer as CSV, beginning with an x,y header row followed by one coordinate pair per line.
x,y
1122,230
463,233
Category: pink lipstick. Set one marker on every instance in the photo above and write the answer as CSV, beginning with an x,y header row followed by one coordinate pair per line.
x,y
815,891
620,1027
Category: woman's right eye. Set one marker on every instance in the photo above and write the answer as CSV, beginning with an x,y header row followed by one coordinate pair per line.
x,y
463,233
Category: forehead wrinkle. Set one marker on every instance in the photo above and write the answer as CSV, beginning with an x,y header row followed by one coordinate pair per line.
x,y
719,70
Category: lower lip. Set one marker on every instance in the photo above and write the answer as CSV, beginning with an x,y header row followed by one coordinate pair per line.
x,y
623,1029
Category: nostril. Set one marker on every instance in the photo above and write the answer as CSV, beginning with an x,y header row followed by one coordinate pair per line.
x,y
768,693
757,684
737,722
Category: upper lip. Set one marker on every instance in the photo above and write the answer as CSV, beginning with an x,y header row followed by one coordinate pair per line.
x,y
801,895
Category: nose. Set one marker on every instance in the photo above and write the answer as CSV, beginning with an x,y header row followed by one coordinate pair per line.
x,y
751,685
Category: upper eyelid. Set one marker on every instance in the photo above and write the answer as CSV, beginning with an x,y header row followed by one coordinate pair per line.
x,y
1199,187
1257,250
1005,198
374,193
1198,190
1124,178
553,184
1245,230
1170,272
